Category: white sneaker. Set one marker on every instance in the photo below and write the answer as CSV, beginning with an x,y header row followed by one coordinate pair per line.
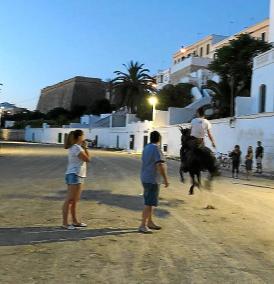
x,y
68,227
144,230
80,225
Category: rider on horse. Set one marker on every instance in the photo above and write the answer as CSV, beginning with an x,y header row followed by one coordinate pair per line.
x,y
200,127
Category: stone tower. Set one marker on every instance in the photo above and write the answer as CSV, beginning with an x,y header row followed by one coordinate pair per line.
x,y
77,91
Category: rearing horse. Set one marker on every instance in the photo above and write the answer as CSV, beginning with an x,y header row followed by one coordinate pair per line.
x,y
195,159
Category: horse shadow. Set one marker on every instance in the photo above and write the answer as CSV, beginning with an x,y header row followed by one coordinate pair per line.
x,y
37,235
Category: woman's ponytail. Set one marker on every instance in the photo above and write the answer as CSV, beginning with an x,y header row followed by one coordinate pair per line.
x,y
72,138
69,140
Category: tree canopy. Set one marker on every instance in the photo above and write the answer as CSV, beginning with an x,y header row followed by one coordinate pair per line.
x,y
175,96
234,63
133,85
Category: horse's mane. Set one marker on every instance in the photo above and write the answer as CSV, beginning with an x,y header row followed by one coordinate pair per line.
x,y
185,132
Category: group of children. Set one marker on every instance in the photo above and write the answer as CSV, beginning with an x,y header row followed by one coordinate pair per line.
x,y
153,166
235,156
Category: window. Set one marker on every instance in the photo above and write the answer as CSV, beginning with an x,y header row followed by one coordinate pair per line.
x,y
215,56
201,52
262,98
160,79
263,36
182,58
207,49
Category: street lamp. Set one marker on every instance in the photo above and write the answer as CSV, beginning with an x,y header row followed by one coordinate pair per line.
x,y
153,101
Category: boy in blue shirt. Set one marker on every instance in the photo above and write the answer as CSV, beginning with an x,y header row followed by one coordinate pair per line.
x,y
153,165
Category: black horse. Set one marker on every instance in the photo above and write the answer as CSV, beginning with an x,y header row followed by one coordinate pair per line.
x,y
195,159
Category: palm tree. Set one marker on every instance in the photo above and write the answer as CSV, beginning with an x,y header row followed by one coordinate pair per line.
x,y
133,85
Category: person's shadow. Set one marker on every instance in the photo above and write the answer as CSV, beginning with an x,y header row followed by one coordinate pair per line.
x,y
130,202
35,235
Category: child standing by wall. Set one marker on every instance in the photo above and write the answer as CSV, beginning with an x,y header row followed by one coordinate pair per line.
x,y
235,156
78,156
249,161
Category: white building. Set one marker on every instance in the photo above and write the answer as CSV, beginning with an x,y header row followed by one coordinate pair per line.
x,y
262,89
162,78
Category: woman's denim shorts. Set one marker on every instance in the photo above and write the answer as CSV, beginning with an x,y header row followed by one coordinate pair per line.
x,y
73,179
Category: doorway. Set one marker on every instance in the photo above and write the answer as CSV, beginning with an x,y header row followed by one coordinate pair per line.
x,y
131,142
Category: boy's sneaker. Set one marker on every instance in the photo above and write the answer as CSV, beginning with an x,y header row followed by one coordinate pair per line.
x,y
154,227
144,230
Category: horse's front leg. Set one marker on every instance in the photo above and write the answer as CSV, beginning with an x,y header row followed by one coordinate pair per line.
x,y
191,190
199,179
181,171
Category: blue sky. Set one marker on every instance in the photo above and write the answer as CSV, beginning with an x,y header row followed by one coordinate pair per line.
x,y
43,42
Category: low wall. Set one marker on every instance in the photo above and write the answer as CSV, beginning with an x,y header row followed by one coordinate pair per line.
x,y
12,134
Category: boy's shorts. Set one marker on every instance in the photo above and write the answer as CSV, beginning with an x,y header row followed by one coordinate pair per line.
x,y
151,194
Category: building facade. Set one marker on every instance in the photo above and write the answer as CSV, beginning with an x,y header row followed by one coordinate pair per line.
x,y
163,78
262,88
190,59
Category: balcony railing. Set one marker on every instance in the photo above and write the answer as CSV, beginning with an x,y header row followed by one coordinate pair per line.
x,y
199,61
264,59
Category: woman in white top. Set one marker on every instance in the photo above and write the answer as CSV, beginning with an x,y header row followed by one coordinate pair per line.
x,y
78,156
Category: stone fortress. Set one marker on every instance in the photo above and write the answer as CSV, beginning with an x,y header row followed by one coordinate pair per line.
x,y
77,91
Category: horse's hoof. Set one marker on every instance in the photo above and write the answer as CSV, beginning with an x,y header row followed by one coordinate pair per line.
x,y
208,207
182,180
191,192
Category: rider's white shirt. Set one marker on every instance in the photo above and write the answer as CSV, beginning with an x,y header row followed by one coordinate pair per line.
x,y
199,127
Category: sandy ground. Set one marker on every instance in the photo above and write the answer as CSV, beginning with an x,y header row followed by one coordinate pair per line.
x,y
232,244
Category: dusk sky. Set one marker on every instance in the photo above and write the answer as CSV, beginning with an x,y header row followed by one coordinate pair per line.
x,y
44,42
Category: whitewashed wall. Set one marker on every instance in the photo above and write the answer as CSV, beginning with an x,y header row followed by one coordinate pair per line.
x,y
48,135
107,137
244,130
